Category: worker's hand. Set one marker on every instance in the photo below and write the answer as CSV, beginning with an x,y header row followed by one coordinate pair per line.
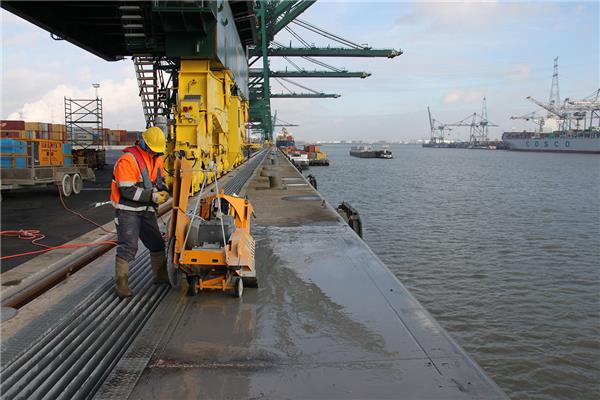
x,y
159,198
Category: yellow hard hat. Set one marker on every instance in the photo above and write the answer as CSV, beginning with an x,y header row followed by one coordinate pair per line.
x,y
155,139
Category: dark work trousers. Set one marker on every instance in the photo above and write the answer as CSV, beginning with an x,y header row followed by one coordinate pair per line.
x,y
132,225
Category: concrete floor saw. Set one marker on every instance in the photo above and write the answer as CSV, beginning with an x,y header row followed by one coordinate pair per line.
x,y
211,245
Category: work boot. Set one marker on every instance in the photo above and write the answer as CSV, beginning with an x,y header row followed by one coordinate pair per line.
x,y
121,277
159,267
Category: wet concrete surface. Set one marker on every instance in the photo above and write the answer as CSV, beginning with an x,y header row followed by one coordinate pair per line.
x,y
328,321
41,209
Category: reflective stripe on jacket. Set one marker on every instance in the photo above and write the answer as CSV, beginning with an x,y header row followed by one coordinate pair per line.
x,y
135,175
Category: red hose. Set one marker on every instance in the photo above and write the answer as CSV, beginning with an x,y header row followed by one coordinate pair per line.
x,y
34,235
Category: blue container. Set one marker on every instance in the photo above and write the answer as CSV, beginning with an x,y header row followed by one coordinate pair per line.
x,y
12,149
12,146
20,162
7,162
67,149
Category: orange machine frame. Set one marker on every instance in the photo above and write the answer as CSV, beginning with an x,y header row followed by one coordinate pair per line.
x,y
216,266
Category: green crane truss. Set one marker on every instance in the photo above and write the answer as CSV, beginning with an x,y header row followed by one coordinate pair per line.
x,y
273,17
310,74
328,52
233,34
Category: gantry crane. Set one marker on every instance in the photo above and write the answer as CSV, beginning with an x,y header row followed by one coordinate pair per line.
x,y
192,61
478,126
589,104
276,16
533,117
438,130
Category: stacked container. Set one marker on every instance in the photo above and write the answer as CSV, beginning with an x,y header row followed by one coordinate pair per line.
x,y
67,150
40,131
11,129
13,153
58,132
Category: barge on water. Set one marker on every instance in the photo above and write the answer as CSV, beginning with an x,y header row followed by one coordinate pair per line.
x,y
370,152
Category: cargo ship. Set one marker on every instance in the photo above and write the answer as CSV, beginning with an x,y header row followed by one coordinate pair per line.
x,y
285,139
557,141
370,152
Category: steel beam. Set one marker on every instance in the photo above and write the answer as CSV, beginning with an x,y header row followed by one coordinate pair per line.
x,y
310,74
292,12
328,52
305,95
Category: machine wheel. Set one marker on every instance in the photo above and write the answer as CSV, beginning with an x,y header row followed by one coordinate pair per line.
x,y
172,267
251,282
77,183
66,186
192,286
238,286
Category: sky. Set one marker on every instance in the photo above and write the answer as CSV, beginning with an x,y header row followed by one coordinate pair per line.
x,y
455,53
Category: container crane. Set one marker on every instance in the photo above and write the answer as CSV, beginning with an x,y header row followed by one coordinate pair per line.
x,y
478,126
554,113
274,16
533,117
554,110
581,108
436,126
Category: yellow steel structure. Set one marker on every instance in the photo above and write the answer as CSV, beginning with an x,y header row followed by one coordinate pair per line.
x,y
209,121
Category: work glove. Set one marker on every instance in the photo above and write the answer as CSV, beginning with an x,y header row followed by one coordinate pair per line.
x,y
159,198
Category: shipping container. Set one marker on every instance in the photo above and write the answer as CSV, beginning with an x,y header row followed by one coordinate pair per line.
x,y
13,162
67,149
32,126
12,125
10,134
57,136
58,128
13,153
12,146
42,135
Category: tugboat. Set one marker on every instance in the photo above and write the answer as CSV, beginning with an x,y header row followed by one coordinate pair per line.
x,y
385,153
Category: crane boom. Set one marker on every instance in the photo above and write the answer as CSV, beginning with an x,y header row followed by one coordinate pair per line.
x,y
430,120
547,107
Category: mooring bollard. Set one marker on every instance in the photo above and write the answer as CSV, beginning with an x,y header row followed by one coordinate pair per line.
x,y
275,181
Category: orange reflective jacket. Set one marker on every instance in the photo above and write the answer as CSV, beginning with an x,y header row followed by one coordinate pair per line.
x,y
136,175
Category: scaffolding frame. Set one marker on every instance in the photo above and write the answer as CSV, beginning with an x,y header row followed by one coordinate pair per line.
x,y
84,123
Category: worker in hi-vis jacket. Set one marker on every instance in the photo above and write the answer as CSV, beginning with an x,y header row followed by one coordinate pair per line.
x,y
137,190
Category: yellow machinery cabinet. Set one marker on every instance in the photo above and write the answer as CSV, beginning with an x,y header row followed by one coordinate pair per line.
x,y
50,153
210,121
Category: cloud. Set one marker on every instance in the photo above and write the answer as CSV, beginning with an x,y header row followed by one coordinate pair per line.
x,y
120,102
464,96
519,73
469,15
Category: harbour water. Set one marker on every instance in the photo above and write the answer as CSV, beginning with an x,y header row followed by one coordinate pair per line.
x,y
502,248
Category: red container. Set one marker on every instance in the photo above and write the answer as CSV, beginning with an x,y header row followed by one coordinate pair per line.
x,y
9,134
12,125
